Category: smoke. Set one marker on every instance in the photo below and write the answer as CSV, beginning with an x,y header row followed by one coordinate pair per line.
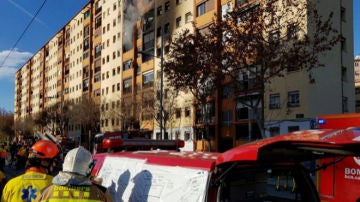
x,y
133,11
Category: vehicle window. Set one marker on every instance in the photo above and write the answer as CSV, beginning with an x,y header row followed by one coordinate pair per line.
x,y
284,184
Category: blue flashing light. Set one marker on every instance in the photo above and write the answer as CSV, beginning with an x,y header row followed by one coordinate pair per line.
x,y
321,121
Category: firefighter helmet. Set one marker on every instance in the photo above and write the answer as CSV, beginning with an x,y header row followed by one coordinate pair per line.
x,y
44,149
78,160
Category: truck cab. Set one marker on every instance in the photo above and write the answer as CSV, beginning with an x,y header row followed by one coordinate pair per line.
x,y
270,169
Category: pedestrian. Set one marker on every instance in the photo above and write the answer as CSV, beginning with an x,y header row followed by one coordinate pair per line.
x,y
73,182
25,187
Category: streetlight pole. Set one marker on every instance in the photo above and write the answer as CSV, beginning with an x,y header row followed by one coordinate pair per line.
x,y
161,81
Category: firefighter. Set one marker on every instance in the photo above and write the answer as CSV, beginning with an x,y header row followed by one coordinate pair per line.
x,y
3,156
21,156
39,163
73,182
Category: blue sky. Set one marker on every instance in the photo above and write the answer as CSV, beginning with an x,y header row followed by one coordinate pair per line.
x,y
16,15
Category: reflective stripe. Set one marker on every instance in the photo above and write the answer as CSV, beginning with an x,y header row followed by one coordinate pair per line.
x,y
70,200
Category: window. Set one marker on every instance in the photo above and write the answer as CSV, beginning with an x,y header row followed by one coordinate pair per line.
x,y
148,41
225,9
227,92
98,22
292,31
148,79
226,118
98,7
167,6
274,101
127,86
85,85
344,73
98,50
177,113
274,36
158,32
343,44
187,136
178,22
343,14
86,44
159,10
274,131
201,9
188,17
293,99
86,14
97,78
127,65
86,55
187,111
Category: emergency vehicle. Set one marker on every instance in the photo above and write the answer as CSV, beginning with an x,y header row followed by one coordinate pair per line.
x,y
265,170
131,140
340,181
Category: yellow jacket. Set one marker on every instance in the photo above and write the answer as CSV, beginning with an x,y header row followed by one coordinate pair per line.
x,y
26,187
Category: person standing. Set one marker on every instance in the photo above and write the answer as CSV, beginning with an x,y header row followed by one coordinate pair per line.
x,y
26,187
73,183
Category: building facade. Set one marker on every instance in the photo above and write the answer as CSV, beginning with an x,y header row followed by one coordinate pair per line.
x,y
112,52
357,82
95,55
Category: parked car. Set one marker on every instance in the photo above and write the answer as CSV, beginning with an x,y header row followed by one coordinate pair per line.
x,y
270,169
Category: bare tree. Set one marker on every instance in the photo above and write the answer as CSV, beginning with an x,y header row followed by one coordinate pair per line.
x,y
252,44
151,106
6,123
87,114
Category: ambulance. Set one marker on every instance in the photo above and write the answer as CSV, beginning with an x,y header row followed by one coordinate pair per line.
x,y
340,180
266,170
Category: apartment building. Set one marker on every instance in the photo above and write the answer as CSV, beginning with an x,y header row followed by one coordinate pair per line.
x,y
111,51
294,101
357,82
96,55
291,102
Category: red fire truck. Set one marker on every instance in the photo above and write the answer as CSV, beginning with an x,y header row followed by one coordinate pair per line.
x,y
131,140
340,181
266,170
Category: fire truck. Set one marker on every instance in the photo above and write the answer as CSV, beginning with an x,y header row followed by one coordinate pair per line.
x,y
340,181
269,169
131,140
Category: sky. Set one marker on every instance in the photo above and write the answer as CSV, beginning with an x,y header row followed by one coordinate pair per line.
x,y
54,14
16,16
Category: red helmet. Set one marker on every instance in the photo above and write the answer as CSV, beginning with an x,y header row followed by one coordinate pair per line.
x,y
44,149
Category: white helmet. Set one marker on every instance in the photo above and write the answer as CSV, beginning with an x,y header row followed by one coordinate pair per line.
x,y
78,160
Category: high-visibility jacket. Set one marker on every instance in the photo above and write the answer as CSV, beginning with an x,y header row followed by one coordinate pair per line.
x,y
82,193
22,152
26,187
3,153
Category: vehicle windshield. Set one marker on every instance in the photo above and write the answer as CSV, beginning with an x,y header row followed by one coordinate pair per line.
x,y
268,183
